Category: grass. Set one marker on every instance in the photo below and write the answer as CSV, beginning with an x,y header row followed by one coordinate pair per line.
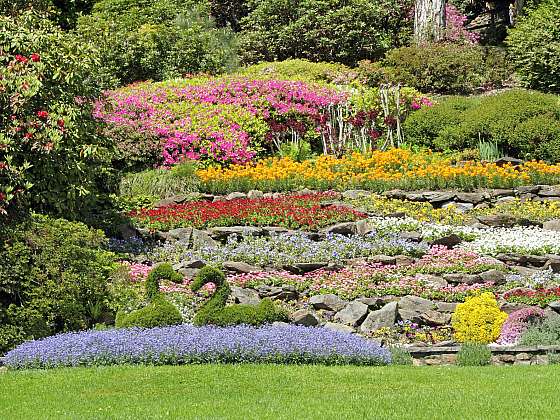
x,y
282,392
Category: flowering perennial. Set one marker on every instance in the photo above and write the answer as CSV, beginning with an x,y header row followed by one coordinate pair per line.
x,y
185,344
516,324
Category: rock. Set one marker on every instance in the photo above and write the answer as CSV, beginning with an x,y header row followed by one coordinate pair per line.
x,y
302,268
536,260
438,197
446,307
255,194
550,191
509,307
497,220
355,194
506,160
505,199
372,302
127,232
525,271
397,215
404,260
411,308
201,240
240,267
495,193
461,207
462,278
415,196
245,296
304,317
435,318
495,276
382,259
551,313
382,318
284,293
223,232
553,262
529,189
328,302
353,314
345,228
432,281
410,236
176,199
339,327
280,324
193,264
189,273
473,198
555,305
363,227
396,194
449,240
235,195
181,234
511,259
553,224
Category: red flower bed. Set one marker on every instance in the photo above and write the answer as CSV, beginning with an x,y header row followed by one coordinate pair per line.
x,y
541,297
290,211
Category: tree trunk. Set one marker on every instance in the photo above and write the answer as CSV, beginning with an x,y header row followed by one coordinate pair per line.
x,y
429,21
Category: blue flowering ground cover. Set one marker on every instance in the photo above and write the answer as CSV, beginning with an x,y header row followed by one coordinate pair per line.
x,y
186,344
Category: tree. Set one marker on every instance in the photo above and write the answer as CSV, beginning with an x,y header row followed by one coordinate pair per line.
x,y
429,21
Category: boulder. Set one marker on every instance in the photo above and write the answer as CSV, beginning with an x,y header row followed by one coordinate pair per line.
x,y
127,232
302,268
472,198
240,267
446,307
372,302
189,273
553,262
512,259
396,194
553,224
245,296
223,232
497,220
506,160
354,194
529,189
201,239
462,278
327,302
495,276
550,191
415,196
353,314
304,317
438,197
382,318
339,327
383,259
410,236
235,195
193,264
449,240
345,228
285,292
404,260
255,194
176,199
509,307
430,280
181,234
461,207
555,306
411,308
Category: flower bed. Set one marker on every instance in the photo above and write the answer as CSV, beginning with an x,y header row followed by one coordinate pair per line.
x,y
292,211
380,171
187,344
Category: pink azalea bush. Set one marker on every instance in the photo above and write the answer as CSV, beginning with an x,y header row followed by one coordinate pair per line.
x,y
455,30
517,322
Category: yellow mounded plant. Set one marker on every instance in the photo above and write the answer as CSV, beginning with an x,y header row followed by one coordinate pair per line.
x,y
478,320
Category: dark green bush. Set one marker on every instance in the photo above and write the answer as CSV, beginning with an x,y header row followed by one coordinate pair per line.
x,y
442,68
160,272
521,123
158,313
344,31
474,354
63,12
545,333
229,12
146,39
53,278
214,311
534,47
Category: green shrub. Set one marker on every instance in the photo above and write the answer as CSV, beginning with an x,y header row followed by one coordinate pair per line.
x,y
300,69
160,272
158,313
534,47
162,183
554,358
441,68
474,354
545,333
63,12
53,278
51,157
229,12
157,40
521,123
344,31
400,356
214,311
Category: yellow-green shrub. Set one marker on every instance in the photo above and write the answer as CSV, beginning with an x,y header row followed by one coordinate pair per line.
x,y
478,320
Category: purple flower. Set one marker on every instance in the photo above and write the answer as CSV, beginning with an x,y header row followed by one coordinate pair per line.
x,y
185,344
516,324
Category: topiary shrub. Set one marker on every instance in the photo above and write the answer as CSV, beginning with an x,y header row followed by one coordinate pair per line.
x,y
474,354
521,123
534,47
442,68
53,278
159,312
478,320
215,311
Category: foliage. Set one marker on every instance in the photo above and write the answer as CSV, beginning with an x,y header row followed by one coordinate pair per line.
x,y
161,183
145,39
214,311
541,297
50,155
160,272
546,333
521,123
318,30
474,354
400,356
455,27
478,320
304,211
379,171
63,12
229,12
443,68
53,278
534,47
158,313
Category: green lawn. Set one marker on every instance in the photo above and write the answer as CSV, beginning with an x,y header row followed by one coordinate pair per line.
x,y
275,391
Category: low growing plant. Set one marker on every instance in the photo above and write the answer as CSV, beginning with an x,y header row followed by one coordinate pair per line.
x,y
474,354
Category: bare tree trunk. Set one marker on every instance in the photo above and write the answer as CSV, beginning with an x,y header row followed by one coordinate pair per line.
x,y
429,21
